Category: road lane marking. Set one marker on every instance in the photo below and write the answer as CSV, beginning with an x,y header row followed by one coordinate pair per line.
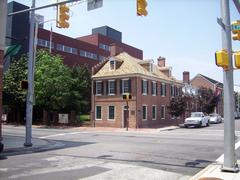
x,y
61,134
221,158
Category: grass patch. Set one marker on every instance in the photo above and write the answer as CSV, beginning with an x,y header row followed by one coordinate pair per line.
x,y
84,117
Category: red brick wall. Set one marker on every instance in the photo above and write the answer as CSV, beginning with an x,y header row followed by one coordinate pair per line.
x,y
199,81
98,38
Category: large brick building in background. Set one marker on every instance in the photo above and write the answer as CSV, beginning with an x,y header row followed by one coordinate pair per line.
x,y
150,85
89,50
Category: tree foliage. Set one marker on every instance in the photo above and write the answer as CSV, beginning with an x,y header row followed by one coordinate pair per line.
x,y
13,96
52,81
177,106
207,100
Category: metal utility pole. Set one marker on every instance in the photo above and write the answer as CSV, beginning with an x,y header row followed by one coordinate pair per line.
x,y
30,93
3,22
230,163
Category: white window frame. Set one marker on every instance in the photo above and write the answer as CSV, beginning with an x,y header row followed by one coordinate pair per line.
x,y
155,112
114,113
154,86
145,86
144,119
123,87
97,88
109,87
172,90
164,112
96,113
114,64
163,92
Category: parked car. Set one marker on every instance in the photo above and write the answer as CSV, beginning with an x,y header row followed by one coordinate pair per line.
x,y
197,119
215,118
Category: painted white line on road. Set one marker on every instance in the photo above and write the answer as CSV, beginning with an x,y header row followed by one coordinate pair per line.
x,y
221,158
61,134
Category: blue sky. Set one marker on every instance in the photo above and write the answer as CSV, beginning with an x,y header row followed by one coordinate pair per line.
x,y
184,31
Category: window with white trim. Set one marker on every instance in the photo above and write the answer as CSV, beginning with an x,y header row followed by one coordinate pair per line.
x,y
99,87
144,112
144,87
154,88
112,63
111,87
163,89
172,90
154,112
162,112
125,85
98,113
111,112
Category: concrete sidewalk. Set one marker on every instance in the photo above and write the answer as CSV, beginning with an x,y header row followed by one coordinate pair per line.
x,y
213,172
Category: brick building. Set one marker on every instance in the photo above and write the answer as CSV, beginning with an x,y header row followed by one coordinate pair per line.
x,y
150,85
192,86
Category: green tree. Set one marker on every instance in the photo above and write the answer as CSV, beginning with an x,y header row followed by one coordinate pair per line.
x,y
52,82
206,100
177,106
14,99
80,91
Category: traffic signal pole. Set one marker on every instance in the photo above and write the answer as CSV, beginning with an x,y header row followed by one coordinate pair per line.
x,y
30,93
3,22
230,163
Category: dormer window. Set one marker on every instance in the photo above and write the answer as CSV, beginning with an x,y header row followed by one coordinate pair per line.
x,y
151,67
112,63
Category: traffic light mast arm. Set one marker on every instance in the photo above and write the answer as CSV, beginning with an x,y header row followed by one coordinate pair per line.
x,y
43,7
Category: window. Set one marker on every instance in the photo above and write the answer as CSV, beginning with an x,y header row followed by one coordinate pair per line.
x,y
112,64
98,115
154,88
163,112
99,88
88,54
104,46
126,85
111,87
163,89
111,112
154,112
44,43
144,112
59,47
151,67
144,87
172,90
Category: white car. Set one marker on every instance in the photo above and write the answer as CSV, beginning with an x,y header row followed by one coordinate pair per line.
x,y
197,119
215,118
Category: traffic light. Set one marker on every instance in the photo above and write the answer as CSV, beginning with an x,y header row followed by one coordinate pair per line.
x,y
221,58
127,96
23,85
141,8
236,30
63,16
237,59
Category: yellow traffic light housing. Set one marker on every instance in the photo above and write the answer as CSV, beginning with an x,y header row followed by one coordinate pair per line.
x,y
141,8
127,96
23,85
221,59
63,16
236,30
237,59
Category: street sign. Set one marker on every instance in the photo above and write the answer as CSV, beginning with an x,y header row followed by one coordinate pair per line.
x,y
94,4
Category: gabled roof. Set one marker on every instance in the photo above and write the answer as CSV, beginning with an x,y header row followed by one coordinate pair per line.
x,y
131,66
217,83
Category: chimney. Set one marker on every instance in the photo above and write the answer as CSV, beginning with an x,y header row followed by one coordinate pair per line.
x,y
186,77
115,50
161,61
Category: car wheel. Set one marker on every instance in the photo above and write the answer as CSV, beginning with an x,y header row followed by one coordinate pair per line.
x,y
186,126
207,124
200,124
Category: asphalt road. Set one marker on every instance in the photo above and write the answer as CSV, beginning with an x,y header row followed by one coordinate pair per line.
x,y
83,154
